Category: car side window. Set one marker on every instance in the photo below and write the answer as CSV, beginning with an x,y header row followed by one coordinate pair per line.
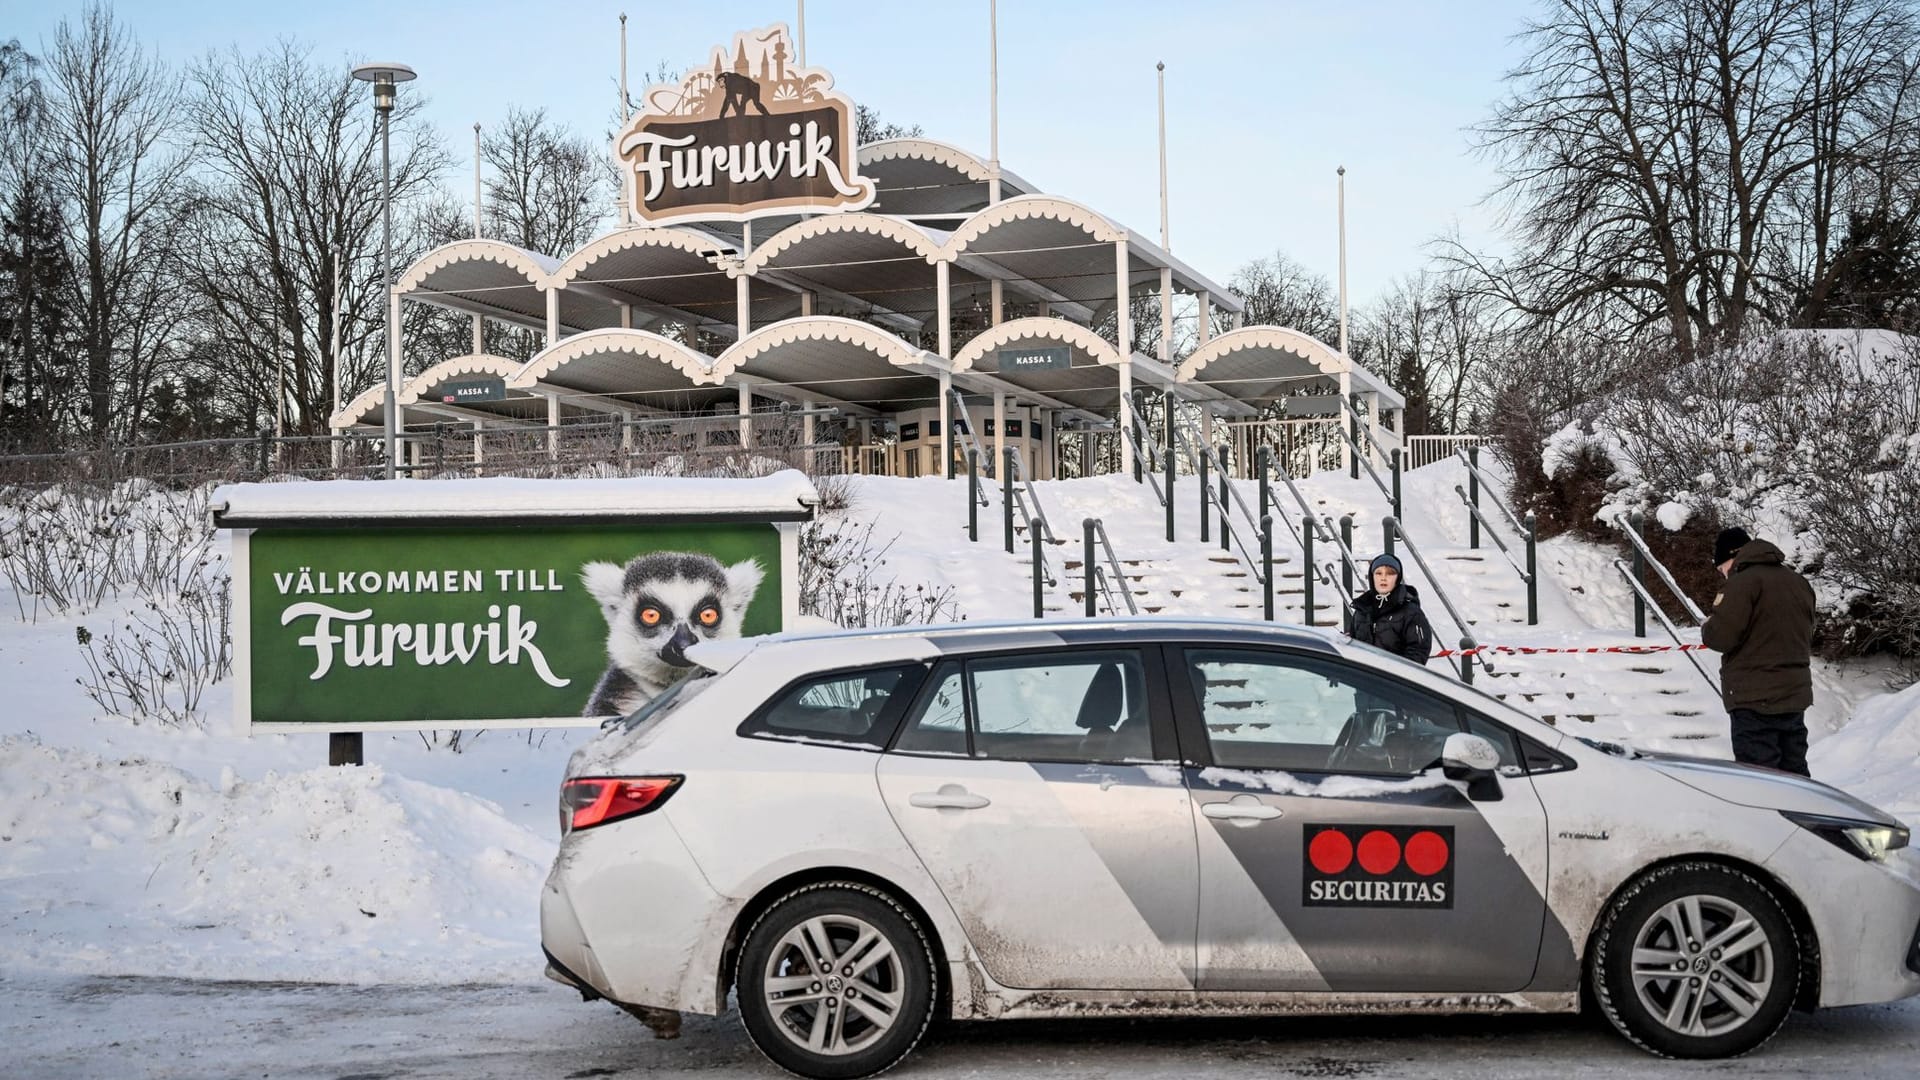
x,y
861,708
1067,706
1272,710
1502,739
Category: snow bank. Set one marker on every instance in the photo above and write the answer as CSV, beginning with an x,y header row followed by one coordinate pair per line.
x,y
130,866
784,492
1877,755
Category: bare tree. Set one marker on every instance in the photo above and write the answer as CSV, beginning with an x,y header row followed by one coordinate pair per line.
x,y
289,204
116,170
1679,168
1280,292
547,189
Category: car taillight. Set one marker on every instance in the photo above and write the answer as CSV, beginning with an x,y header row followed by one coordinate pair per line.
x,y
595,800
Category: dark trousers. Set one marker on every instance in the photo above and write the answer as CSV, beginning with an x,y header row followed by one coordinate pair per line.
x,y
1775,740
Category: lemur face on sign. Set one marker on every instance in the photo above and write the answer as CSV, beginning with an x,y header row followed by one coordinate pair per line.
x,y
656,606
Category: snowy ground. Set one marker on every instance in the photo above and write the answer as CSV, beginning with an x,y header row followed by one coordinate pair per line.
x,y
188,903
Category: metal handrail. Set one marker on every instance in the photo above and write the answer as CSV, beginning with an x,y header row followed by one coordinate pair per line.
x,y
1032,513
1466,630
1347,557
1212,495
1141,454
1365,428
1119,579
1491,535
1672,631
1487,484
1366,463
1660,568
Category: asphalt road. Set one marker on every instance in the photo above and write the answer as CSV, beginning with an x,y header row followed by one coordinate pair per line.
x,y
143,1027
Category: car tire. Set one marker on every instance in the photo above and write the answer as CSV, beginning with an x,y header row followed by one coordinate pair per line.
x,y
873,1017
1696,960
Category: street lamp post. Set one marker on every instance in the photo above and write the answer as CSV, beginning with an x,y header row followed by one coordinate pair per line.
x,y
386,79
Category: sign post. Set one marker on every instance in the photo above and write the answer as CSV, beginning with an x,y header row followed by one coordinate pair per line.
x,y
363,606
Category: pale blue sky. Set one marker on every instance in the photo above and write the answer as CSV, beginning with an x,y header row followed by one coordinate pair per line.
x,y
1264,99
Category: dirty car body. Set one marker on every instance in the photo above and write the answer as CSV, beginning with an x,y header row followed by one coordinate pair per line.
x,y
1187,817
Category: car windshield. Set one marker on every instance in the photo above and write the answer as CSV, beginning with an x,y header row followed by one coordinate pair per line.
x,y
682,689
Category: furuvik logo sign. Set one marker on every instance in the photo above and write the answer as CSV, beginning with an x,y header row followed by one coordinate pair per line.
x,y
1378,866
746,135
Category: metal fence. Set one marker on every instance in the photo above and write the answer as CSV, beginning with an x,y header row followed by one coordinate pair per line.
x,y
706,445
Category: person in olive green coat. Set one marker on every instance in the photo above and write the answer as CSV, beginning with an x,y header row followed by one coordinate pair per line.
x,y
1762,623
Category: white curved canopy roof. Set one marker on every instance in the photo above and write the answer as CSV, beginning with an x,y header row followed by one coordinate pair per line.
x,y
922,178
484,276
633,367
1262,364
830,358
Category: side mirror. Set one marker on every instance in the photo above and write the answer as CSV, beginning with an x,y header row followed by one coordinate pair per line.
x,y
1473,759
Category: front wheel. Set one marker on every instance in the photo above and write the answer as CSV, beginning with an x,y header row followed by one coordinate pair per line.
x,y
1696,960
836,981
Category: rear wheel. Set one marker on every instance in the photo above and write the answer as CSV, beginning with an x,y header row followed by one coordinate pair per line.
x,y
836,981
1696,960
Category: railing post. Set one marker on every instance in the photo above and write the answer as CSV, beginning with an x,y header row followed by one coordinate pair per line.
x,y
1466,661
1139,467
1533,576
973,495
1039,573
1226,524
266,450
1306,546
1206,492
1006,496
1169,492
1346,567
1397,510
1639,575
1266,559
1473,493
1263,461
1353,439
1087,568
1386,537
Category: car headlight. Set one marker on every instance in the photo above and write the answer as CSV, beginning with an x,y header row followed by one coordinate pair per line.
x,y
1868,839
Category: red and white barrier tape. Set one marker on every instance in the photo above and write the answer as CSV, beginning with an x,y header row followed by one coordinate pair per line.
x,y
1529,650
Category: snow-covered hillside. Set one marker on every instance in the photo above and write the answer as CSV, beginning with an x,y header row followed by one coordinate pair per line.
x,y
133,848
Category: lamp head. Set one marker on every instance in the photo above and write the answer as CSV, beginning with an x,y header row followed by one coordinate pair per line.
x,y
385,78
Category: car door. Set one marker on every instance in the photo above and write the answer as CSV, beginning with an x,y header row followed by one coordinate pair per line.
x,y
1041,791
1334,855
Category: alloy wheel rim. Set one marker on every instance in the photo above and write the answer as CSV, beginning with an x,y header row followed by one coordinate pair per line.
x,y
834,985
1702,966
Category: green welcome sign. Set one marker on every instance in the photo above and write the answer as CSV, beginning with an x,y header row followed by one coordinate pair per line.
x,y
370,621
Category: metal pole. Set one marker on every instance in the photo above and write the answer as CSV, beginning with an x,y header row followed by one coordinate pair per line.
x,y
973,500
800,44
1086,564
1473,493
1206,511
1354,449
1039,575
1266,560
1226,526
1639,574
1466,661
1006,496
1395,458
1168,454
386,278
1263,461
623,114
1386,537
1533,576
334,443
1343,261
1306,545
1165,243
1346,539
993,101
476,138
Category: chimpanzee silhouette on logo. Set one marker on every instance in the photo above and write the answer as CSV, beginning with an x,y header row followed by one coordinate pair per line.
x,y
741,91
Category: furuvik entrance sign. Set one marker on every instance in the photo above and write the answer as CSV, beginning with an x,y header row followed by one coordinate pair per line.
x,y
363,605
746,136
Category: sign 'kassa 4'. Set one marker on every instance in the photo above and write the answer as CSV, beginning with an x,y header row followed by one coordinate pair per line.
x,y
475,603
748,135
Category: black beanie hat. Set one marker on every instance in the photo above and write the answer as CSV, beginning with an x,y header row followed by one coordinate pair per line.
x,y
1729,543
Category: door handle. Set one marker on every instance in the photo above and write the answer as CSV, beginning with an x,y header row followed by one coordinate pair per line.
x,y
949,797
1248,811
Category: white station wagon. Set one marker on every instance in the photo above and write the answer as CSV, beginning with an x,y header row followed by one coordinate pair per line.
x,y
858,832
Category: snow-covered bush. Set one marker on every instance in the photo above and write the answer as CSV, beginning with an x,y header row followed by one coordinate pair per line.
x,y
159,662
840,580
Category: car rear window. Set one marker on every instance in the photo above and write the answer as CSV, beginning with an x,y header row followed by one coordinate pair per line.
x,y
848,708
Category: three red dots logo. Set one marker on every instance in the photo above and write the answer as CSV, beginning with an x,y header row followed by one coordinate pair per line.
x,y
1378,866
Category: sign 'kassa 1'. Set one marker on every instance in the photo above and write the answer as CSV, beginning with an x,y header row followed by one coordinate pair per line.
x,y
363,605
748,135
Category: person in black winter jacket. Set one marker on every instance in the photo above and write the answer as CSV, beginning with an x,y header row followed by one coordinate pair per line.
x,y
1388,616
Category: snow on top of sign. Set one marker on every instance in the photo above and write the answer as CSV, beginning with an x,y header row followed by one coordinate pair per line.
x,y
782,492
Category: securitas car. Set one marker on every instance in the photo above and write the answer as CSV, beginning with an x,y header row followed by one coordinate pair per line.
x,y
860,832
